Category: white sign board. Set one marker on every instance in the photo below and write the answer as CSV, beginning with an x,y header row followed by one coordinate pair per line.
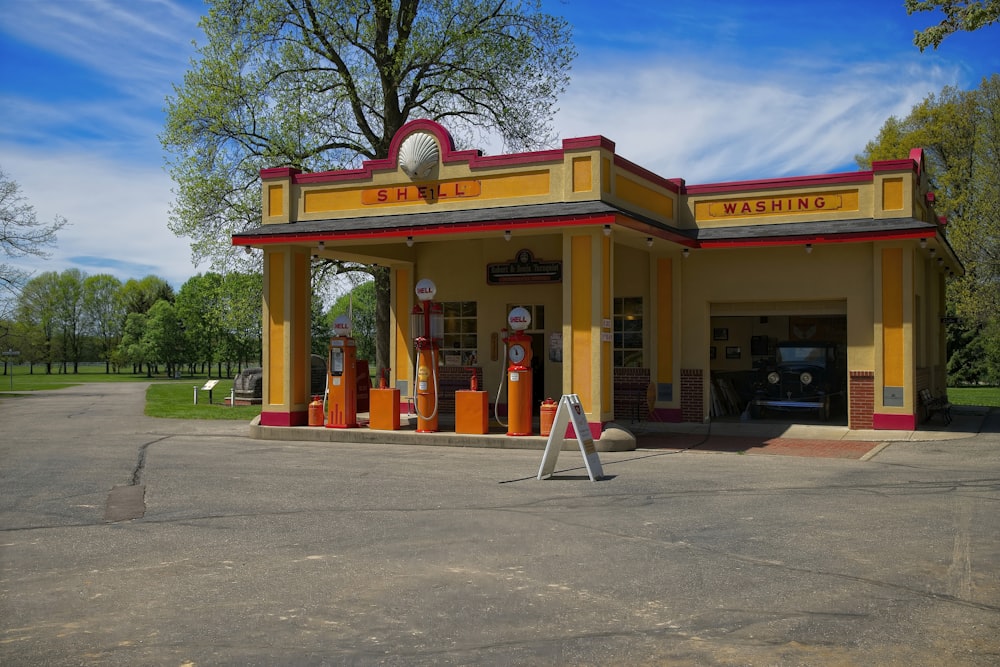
x,y
570,410
210,385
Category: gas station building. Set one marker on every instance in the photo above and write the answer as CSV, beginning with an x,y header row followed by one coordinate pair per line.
x,y
644,292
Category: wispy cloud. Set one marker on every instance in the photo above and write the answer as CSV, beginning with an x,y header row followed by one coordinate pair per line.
x,y
704,124
135,46
117,214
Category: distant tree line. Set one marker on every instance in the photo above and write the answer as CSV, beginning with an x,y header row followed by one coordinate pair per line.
x,y
212,325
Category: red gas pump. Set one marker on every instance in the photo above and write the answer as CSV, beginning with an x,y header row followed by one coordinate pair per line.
x,y
427,327
519,374
342,383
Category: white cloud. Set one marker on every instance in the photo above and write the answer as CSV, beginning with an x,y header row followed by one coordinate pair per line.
x,y
117,214
137,46
709,124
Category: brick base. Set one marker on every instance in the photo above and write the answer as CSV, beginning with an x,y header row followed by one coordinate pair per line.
x,y
861,393
692,395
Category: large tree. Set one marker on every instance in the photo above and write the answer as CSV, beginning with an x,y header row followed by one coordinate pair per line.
x,y
21,234
323,84
104,314
959,131
966,15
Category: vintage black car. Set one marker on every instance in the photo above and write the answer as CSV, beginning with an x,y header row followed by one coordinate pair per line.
x,y
804,376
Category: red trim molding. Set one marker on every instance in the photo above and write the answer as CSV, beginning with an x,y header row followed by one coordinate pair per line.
x,y
881,422
294,418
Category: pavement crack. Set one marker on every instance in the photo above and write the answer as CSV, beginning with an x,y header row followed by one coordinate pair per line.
x,y
140,465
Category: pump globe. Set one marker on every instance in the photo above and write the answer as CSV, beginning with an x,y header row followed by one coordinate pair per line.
x,y
519,319
426,289
342,326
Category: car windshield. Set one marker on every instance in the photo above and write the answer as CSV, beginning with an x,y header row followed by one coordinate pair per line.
x,y
807,355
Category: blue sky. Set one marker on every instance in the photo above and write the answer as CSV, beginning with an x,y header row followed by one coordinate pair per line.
x,y
707,91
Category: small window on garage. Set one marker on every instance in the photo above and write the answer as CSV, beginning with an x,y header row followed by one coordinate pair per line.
x,y
628,332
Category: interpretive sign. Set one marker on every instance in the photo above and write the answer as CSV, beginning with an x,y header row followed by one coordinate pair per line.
x,y
570,411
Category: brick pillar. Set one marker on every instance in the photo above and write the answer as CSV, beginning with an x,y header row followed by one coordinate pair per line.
x,y
692,396
861,395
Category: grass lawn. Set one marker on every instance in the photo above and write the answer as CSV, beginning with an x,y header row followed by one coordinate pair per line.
x,y
165,397
174,399
980,396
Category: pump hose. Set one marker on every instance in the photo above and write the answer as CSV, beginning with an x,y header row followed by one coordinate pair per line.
x,y
503,374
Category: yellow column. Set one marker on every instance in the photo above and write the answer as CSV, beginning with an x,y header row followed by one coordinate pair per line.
x,y
286,333
402,303
894,409
607,351
589,295
664,322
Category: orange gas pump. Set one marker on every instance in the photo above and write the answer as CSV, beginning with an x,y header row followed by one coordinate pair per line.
x,y
427,327
342,382
519,374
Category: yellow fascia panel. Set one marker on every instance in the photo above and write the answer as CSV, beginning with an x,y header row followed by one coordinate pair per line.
x,y
892,194
517,185
583,178
645,197
275,200
329,200
326,200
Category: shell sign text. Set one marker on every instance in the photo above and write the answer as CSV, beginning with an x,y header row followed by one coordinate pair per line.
x,y
430,193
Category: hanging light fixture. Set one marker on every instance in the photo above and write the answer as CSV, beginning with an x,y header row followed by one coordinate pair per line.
x,y
685,252
809,248
649,241
506,235
409,241
607,230
923,243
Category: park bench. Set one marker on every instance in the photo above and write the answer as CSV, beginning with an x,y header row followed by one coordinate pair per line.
x,y
935,405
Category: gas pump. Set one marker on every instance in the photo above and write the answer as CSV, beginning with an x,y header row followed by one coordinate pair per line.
x,y
519,373
427,327
342,383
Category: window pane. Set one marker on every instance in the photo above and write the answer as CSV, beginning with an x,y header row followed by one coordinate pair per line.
x,y
632,359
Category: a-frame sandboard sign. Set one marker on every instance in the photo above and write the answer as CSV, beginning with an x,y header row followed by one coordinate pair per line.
x,y
570,410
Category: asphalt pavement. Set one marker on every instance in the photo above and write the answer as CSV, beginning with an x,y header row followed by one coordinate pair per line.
x,y
129,540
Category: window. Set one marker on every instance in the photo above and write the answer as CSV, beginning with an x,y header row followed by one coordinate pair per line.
x,y
628,332
461,342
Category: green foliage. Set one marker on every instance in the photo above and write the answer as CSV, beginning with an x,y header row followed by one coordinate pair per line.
x,y
970,15
360,303
324,84
71,317
960,134
138,296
